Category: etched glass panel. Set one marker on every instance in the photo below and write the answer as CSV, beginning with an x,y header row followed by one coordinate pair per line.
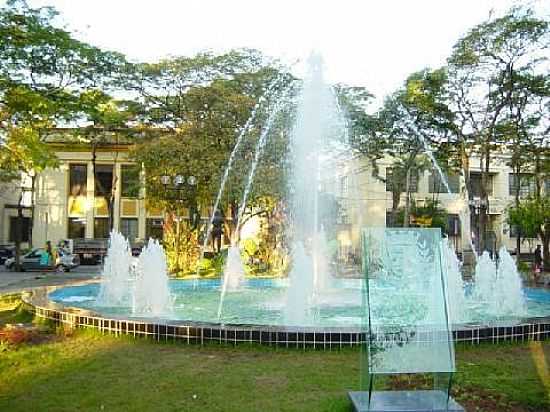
x,y
405,306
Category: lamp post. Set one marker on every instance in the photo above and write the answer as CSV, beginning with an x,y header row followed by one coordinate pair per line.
x,y
180,187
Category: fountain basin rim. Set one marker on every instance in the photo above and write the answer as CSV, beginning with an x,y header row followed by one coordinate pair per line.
x,y
37,302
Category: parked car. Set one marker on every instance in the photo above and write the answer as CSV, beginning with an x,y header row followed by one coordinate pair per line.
x,y
31,261
6,252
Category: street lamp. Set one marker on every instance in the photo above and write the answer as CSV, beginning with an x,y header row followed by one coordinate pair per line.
x,y
179,182
181,186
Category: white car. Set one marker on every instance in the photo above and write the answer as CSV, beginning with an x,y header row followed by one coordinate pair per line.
x,y
31,261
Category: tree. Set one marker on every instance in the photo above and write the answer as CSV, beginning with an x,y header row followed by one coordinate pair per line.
x,y
430,214
202,113
23,154
526,138
45,77
484,70
533,217
404,129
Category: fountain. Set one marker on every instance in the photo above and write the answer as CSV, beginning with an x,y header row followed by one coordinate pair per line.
x,y
316,129
454,283
151,291
508,291
116,276
323,280
312,296
297,310
234,270
484,281
233,275
144,289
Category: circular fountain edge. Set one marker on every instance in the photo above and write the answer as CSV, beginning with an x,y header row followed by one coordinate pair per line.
x,y
37,302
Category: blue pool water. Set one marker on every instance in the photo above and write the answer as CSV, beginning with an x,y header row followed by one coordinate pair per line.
x,y
261,302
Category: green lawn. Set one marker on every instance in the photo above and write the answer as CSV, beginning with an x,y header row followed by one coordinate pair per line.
x,y
88,371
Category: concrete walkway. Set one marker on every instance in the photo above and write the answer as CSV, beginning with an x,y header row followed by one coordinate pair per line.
x,y
18,281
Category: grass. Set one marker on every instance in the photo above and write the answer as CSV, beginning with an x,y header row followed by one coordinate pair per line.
x,y
87,371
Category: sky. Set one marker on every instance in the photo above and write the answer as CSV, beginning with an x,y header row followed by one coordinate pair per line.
x,y
371,43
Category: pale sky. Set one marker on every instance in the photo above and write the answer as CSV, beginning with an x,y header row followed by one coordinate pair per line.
x,y
372,43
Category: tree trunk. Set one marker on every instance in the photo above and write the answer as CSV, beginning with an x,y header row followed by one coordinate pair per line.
x,y
546,251
518,235
407,198
396,199
465,162
18,227
94,158
31,223
484,199
465,165
111,200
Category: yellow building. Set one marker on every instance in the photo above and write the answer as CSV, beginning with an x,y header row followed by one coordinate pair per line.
x,y
70,203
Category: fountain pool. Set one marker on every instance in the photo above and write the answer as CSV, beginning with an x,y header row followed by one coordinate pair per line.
x,y
263,302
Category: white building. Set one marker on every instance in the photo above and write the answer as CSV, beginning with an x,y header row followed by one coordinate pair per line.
x,y
70,203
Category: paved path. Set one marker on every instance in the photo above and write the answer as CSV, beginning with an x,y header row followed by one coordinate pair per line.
x,y
19,281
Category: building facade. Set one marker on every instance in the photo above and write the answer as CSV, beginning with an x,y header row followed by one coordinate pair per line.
x,y
73,202
367,201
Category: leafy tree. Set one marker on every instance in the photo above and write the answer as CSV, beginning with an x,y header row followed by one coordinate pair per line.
x,y
202,118
45,78
525,137
430,214
410,120
485,69
533,217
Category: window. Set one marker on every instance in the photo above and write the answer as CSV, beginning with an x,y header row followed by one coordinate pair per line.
x,y
344,186
129,228
526,182
103,180
24,229
154,229
436,185
475,184
78,177
77,228
129,180
391,180
101,227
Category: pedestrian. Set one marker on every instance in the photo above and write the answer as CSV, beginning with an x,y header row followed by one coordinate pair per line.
x,y
51,255
45,255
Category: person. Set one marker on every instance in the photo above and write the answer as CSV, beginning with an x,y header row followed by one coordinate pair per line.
x,y
44,258
538,262
63,247
51,255
217,231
